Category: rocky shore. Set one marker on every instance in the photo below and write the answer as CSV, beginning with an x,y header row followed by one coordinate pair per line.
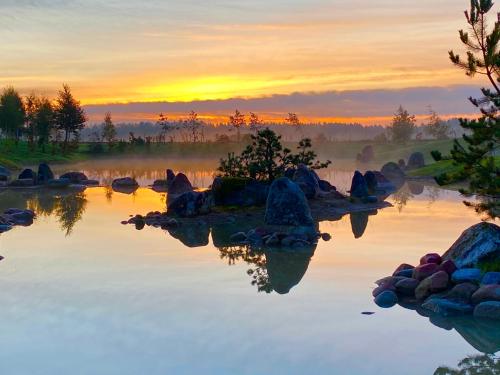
x,y
463,281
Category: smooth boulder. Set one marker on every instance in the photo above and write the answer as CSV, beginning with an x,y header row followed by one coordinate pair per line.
x,y
393,173
478,243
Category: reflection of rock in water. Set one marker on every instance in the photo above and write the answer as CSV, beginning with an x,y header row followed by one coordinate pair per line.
x,y
416,187
483,335
192,235
286,269
125,189
359,222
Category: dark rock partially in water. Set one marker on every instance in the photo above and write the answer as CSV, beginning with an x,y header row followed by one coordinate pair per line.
x,y
180,185
125,185
15,217
286,269
27,174
58,183
44,174
359,187
191,203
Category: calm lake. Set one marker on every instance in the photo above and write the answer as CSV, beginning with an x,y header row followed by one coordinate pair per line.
x,y
83,294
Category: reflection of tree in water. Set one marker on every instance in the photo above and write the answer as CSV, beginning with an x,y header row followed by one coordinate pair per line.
x,y
108,193
486,364
68,209
257,260
275,270
401,197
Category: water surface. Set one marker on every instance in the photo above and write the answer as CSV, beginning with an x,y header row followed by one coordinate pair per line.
x,y
83,294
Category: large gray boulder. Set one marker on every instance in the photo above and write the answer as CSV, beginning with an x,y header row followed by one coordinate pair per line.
x,y
416,161
477,244
287,205
307,180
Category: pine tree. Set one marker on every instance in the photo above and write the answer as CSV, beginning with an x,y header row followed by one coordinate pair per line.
x,y
476,154
402,127
237,121
436,127
69,115
108,132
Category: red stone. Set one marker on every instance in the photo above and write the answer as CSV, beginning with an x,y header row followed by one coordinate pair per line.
x,y
431,258
425,270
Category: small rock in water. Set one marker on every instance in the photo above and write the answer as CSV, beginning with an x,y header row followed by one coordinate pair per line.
x,y
386,299
367,313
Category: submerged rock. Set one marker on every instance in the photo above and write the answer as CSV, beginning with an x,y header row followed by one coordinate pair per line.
x,y
478,243
287,205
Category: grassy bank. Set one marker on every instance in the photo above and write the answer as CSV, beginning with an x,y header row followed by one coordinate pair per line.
x,y
440,167
16,156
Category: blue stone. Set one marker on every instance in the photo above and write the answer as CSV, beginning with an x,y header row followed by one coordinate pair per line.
x,y
386,299
491,278
465,275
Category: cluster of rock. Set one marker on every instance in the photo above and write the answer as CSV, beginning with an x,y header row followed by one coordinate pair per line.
x,y
453,284
15,217
155,219
44,177
396,172
371,187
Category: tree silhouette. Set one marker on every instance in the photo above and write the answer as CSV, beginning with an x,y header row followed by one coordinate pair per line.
x,y
237,121
477,156
402,126
12,113
69,115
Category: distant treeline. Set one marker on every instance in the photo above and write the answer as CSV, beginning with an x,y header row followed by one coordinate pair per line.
x,y
225,132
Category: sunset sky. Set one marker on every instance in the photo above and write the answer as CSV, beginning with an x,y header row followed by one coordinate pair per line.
x,y
123,51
